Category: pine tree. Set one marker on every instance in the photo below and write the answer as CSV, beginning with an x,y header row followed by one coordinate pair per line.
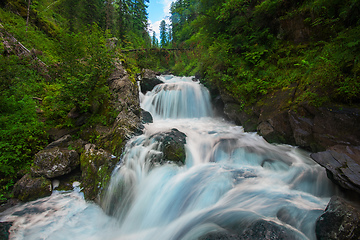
x,y
163,34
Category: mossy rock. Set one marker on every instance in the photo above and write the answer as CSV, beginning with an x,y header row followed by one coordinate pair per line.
x,y
172,145
96,166
55,162
29,188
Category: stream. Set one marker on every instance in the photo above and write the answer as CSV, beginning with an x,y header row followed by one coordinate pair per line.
x,y
231,182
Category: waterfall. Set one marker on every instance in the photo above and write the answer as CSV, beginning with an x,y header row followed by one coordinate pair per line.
x,y
230,181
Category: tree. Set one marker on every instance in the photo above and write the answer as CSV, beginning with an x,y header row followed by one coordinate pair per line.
x,y
154,42
163,34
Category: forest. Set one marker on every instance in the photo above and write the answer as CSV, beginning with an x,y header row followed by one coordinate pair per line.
x,y
248,48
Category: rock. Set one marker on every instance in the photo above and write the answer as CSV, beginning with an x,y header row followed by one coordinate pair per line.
x,y
126,103
61,142
4,230
302,126
29,188
276,128
246,118
340,221
172,145
55,162
335,126
146,117
258,230
220,236
264,230
342,167
96,166
148,74
148,80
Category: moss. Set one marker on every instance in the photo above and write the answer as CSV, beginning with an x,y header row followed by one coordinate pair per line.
x,y
96,167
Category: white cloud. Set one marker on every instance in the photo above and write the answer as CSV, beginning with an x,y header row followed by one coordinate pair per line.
x,y
167,4
155,26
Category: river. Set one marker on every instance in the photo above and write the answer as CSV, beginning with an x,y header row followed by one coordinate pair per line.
x,y
230,180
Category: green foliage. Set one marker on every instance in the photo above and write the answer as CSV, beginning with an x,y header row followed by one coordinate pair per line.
x,y
21,132
249,48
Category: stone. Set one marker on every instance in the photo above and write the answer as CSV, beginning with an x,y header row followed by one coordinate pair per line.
x,y
126,103
61,142
340,221
29,188
220,236
264,230
172,145
148,80
55,162
4,230
146,117
341,168
96,167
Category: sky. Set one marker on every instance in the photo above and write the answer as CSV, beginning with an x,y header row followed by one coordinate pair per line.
x,y
158,10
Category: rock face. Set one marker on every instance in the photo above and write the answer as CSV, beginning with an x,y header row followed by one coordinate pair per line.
x,y
342,165
29,188
148,80
62,160
55,162
96,167
332,131
126,102
340,221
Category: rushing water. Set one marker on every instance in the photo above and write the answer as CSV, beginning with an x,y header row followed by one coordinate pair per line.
x,y
230,179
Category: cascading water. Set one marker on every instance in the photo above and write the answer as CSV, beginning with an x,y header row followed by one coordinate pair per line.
x,y
230,180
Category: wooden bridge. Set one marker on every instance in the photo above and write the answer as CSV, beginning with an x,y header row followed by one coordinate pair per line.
x,y
156,49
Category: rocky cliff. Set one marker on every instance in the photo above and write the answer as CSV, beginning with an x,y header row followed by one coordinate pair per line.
x,y
69,162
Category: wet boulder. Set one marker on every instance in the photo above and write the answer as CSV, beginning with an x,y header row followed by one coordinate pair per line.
x,y
54,162
172,145
146,117
340,221
258,230
148,80
4,230
29,188
342,165
263,230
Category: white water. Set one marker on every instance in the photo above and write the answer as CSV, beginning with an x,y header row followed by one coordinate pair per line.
x,y
231,178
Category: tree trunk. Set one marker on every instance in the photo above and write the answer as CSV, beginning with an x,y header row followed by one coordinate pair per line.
x,y
28,14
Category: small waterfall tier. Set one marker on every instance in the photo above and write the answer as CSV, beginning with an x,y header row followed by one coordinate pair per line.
x,y
178,97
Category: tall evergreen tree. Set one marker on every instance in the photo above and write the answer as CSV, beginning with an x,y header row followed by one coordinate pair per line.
x,y
163,34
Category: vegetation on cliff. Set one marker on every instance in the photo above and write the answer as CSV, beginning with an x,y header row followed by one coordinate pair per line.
x,y
252,48
55,61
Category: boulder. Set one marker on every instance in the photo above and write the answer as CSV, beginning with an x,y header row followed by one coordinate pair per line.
x,y
258,230
96,166
146,117
29,188
172,145
264,230
4,230
61,142
148,80
341,165
340,221
220,236
55,162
